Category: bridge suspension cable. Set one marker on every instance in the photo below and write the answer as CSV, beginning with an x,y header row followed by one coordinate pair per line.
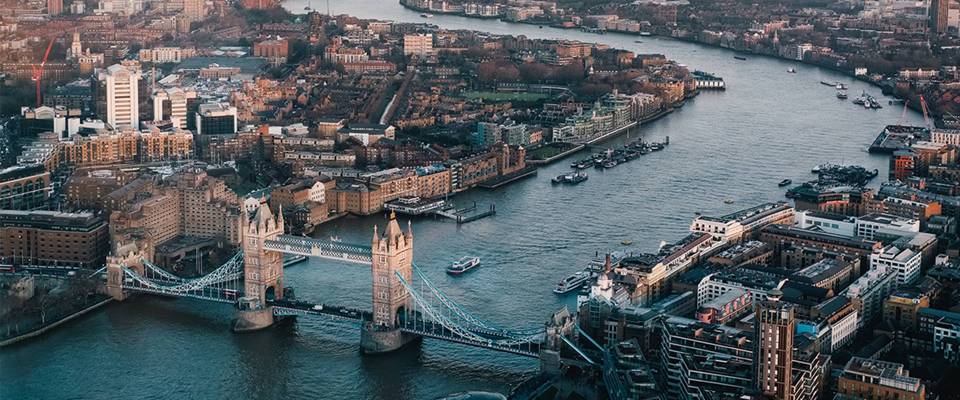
x,y
222,284
487,339
470,318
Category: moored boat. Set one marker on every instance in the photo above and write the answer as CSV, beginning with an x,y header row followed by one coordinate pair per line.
x,y
784,182
572,282
740,58
463,265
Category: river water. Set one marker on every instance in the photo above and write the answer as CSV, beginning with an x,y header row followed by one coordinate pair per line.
x,y
769,125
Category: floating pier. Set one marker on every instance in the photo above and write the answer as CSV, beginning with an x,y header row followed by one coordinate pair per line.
x,y
468,214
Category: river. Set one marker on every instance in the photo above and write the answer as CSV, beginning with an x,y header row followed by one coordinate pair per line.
x,y
769,125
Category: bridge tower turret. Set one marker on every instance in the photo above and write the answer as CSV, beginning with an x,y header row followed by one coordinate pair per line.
x,y
262,270
392,255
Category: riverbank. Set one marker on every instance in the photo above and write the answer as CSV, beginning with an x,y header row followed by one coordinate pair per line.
x,y
53,325
848,72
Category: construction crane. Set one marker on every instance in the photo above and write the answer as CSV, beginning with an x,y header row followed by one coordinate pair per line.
x,y
926,114
38,71
903,114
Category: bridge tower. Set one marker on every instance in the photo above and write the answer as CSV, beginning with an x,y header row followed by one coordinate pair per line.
x,y
124,255
262,270
392,254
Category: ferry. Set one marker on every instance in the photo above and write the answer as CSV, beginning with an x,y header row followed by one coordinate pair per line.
x,y
463,265
572,282
571,178
784,182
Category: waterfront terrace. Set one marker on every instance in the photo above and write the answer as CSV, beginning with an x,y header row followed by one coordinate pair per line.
x,y
736,226
654,272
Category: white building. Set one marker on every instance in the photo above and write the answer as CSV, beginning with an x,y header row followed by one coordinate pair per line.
x,y
870,290
843,330
731,228
754,281
121,85
829,223
904,263
171,105
868,226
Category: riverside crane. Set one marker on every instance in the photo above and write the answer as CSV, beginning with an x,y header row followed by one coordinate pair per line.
x,y
926,112
38,71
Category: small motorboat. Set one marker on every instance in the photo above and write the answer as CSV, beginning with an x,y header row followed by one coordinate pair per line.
x,y
792,70
728,201
740,58
425,15
626,242
784,182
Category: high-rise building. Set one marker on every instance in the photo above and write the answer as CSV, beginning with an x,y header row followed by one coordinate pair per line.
x,y
418,44
216,119
121,89
775,326
171,104
54,7
939,16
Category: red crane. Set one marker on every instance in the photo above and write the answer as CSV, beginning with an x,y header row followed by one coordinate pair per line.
x,y
38,71
926,112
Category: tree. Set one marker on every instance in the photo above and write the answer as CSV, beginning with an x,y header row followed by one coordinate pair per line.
x,y
571,73
535,72
498,71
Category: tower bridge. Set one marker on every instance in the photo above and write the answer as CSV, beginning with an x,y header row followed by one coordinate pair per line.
x,y
406,306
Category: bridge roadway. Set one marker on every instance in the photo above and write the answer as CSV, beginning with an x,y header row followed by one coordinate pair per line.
x,y
294,307
431,329
311,247
416,325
